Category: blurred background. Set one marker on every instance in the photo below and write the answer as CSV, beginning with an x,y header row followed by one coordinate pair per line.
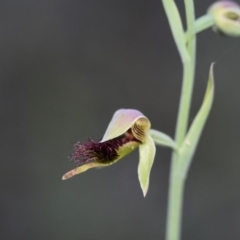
x,y
65,68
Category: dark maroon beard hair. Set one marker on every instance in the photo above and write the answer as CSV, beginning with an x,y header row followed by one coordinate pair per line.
x,y
102,152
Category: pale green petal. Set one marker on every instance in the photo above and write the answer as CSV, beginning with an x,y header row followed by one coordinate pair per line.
x,y
123,120
147,153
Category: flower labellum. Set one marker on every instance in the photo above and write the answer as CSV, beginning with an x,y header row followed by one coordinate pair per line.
x,y
226,15
127,130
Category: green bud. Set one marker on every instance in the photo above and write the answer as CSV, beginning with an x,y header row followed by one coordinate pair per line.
x,y
226,15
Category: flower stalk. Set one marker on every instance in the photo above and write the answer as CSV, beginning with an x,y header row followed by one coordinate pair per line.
x,y
186,139
177,179
224,18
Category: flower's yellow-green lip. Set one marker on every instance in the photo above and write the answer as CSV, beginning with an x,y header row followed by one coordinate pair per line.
x,y
79,170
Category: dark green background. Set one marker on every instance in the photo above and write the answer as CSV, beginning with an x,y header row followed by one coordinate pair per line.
x,y
65,68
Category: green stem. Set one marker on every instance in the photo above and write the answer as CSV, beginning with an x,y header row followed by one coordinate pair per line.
x,y
177,180
175,200
185,102
188,77
176,26
203,23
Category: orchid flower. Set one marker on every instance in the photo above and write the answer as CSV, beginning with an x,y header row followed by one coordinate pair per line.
x,y
127,130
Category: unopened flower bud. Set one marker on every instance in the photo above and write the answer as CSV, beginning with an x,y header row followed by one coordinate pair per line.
x,y
226,15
